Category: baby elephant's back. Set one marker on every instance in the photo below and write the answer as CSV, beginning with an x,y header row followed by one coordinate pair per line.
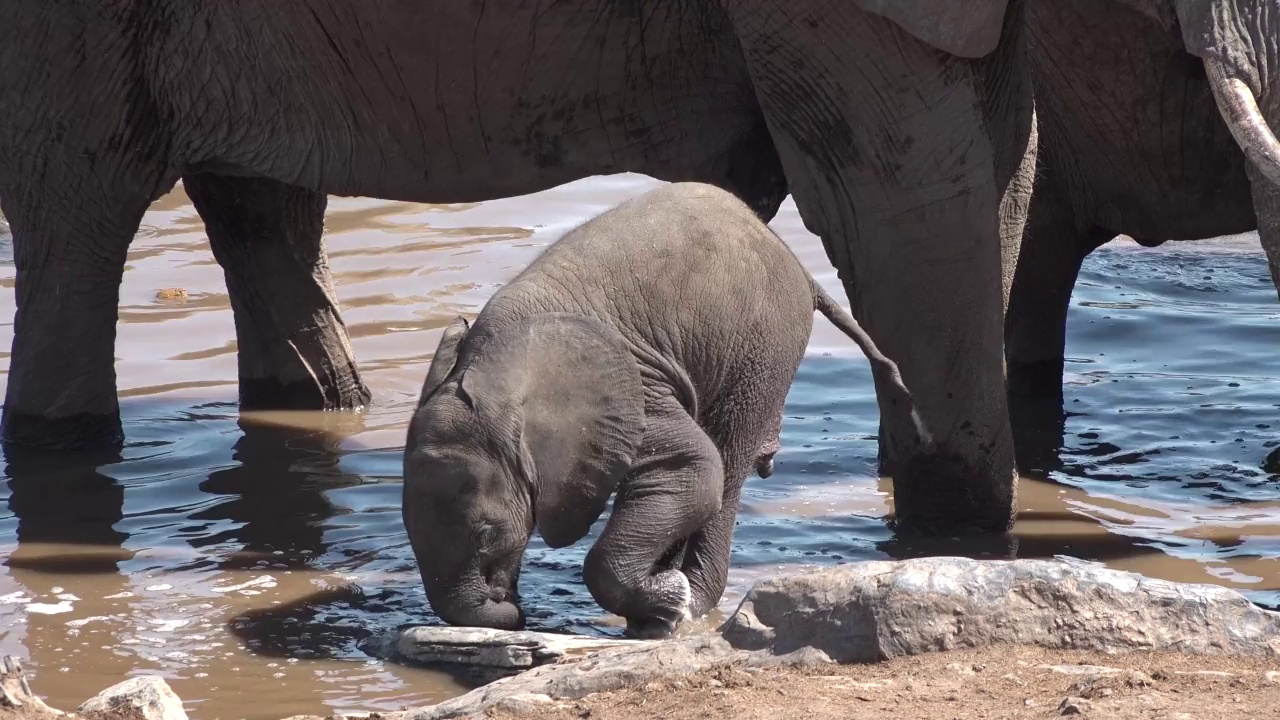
x,y
693,271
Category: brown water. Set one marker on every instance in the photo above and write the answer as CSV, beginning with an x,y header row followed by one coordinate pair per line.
x,y
246,560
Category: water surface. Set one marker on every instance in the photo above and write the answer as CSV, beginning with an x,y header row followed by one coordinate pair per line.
x,y
245,558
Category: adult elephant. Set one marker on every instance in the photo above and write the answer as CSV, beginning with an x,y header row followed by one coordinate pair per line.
x,y
1154,121
900,128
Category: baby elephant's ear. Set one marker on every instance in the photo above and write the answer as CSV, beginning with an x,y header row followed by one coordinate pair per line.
x,y
576,390
445,358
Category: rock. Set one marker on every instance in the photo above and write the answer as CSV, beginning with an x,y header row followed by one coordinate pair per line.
x,y
507,650
806,657
525,704
138,698
878,610
1219,674
866,612
1075,706
612,669
1273,676
1080,669
358,716
16,698
176,294
1096,686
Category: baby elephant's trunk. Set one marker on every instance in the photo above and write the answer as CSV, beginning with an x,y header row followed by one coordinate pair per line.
x,y
893,393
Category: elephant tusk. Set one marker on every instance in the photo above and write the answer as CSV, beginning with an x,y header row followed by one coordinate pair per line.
x,y
1239,108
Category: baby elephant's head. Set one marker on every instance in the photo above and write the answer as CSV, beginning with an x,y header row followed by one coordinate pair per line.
x,y
531,424
468,513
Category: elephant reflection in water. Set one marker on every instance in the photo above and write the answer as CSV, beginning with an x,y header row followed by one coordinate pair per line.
x,y
67,514
276,494
70,539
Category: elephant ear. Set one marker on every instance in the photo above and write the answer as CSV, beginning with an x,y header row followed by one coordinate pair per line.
x,y
575,391
969,29
1216,30
445,357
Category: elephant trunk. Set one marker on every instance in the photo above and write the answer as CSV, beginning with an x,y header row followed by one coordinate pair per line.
x,y
471,602
1239,108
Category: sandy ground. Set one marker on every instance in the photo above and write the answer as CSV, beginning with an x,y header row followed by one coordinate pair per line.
x,y
990,683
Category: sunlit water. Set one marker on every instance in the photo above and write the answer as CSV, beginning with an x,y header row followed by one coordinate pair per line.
x,y
246,559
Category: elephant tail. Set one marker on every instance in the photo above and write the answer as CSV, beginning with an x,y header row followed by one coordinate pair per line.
x,y
888,378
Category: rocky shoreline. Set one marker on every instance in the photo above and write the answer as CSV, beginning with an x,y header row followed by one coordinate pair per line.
x,y
858,613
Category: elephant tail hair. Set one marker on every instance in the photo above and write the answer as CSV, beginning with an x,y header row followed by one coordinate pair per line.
x,y
888,378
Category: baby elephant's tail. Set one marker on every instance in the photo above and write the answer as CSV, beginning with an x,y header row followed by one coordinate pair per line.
x,y
885,371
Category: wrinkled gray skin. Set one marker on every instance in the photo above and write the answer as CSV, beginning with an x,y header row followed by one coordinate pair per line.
x,y
1145,130
648,352
903,129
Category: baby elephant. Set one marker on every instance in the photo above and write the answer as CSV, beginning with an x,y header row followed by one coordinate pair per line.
x,y
647,353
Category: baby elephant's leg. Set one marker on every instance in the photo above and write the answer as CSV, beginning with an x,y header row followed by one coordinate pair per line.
x,y
747,443
672,491
706,557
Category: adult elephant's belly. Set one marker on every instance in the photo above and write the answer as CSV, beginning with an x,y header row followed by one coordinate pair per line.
x,y
443,102
1139,143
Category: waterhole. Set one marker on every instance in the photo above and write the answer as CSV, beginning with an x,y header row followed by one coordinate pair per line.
x,y
246,557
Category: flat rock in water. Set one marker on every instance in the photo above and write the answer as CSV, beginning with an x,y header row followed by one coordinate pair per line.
x,y
138,698
603,671
484,647
879,610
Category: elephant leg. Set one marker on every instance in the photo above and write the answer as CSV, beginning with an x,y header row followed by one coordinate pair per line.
x,y
1052,252
706,558
293,347
670,493
1266,204
895,161
70,242
747,443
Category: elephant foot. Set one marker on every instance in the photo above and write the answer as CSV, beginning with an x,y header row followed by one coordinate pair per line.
x,y
280,394
942,493
82,431
1040,379
293,348
673,598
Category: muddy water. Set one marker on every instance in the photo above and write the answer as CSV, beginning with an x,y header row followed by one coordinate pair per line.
x,y
247,558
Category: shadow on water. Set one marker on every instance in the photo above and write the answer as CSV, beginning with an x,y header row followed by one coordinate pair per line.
x,y
65,503
1039,430
1040,543
276,499
275,494
322,623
